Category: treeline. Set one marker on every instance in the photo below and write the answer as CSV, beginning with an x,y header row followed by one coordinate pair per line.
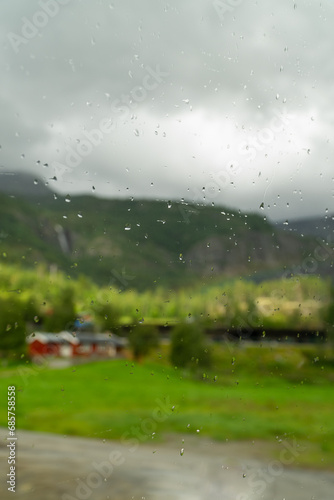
x,y
37,300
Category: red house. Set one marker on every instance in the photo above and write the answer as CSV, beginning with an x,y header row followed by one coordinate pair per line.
x,y
66,345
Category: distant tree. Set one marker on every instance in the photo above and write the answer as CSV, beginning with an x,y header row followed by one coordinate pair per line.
x,y
106,316
142,339
62,313
189,348
329,316
12,325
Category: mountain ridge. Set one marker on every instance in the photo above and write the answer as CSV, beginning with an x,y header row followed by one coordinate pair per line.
x,y
143,243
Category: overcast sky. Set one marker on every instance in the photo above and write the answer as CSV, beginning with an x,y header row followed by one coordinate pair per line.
x,y
162,99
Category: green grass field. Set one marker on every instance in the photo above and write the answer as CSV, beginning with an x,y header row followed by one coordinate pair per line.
x,y
259,393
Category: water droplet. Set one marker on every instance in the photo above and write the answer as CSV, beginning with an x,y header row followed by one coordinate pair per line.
x,y
262,206
80,215
68,199
35,182
128,227
169,204
136,132
182,452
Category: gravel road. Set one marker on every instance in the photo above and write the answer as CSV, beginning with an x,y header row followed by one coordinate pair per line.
x,y
53,467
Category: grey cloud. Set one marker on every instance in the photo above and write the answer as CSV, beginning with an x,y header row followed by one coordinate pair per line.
x,y
229,74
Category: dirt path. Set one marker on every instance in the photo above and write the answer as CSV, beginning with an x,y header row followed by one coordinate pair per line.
x,y
51,467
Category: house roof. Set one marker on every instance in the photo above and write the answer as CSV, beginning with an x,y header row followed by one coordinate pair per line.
x,y
78,338
100,338
52,338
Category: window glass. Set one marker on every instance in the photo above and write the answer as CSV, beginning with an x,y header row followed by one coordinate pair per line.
x,y
166,249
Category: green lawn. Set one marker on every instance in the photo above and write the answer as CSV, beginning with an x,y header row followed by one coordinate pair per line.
x,y
260,399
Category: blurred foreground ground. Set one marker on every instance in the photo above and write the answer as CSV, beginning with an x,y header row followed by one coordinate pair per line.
x,y
53,467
